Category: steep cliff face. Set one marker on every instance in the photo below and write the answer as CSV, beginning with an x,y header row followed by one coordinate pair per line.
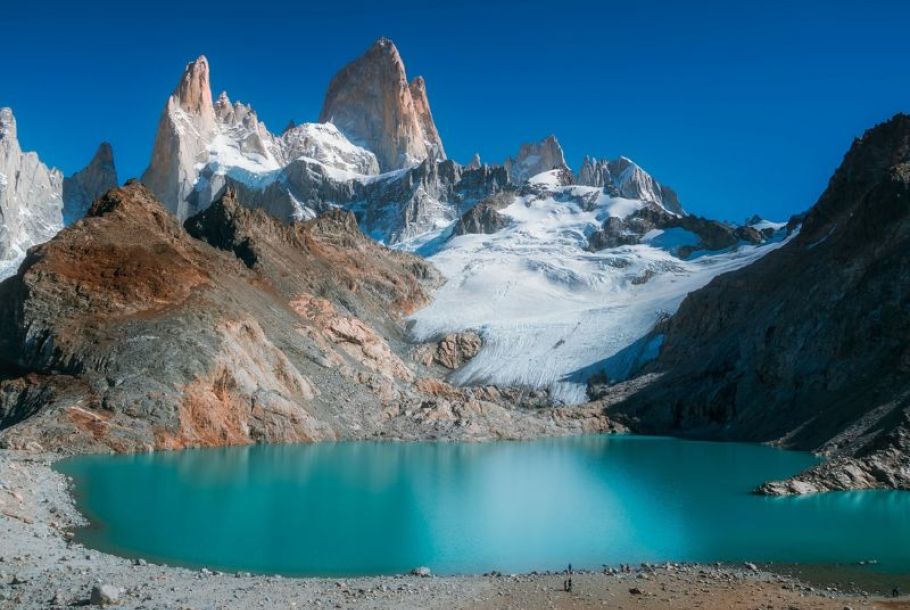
x,y
31,197
372,103
129,331
808,347
186,127
85,186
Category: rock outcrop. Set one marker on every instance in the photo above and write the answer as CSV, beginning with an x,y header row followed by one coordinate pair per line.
x,y
622,177
485,217
372,103
535,158
31,197
82,188
706,234
807,347
452,351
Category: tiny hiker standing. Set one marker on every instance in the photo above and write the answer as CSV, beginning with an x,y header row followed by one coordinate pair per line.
x,y
567,583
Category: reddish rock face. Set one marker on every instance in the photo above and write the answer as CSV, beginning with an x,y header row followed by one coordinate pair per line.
x,y
129,331
371,102
137,335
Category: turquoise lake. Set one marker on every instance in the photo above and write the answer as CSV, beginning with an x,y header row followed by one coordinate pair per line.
x,y
381,507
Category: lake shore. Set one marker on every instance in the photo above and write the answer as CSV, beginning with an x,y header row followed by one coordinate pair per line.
x,y
40,567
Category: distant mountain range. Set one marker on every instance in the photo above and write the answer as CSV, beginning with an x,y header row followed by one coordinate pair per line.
x,y
233,297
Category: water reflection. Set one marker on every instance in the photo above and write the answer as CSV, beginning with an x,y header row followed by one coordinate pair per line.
x,y
355,508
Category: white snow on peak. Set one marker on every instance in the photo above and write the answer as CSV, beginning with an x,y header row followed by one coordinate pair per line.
x,y
239,145
552,313
768,224
550,178
323,142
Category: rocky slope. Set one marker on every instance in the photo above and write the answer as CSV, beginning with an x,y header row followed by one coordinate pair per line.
x,y
31,197
807,347
89,183
129,332
372,103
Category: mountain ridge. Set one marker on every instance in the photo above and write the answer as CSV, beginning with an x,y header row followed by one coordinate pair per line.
x,y
806,348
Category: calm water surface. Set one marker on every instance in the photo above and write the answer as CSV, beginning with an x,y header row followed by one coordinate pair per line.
x,y
373,507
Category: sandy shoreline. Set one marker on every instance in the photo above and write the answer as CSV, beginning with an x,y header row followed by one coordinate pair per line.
x,y
41,568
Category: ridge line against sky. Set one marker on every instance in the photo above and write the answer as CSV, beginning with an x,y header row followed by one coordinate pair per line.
x,y
744,108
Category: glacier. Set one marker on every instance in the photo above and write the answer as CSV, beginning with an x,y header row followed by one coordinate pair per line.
x,y
550,312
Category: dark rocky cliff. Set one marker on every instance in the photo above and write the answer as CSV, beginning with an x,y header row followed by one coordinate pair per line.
x,y
810,346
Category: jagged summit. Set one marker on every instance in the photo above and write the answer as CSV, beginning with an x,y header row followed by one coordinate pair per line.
x,y
372,103
194,91
7,123
625,178
202,145
534,158
88,184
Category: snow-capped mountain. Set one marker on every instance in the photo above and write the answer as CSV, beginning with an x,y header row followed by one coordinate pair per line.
x,y
561,274
31,198
625,178
201,145
551,309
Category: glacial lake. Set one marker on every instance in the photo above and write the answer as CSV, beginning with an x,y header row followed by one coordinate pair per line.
x,y
358,508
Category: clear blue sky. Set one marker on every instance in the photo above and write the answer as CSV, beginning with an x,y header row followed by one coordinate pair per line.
x,y
741,106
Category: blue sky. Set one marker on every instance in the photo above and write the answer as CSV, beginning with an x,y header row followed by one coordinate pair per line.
x,y
742,107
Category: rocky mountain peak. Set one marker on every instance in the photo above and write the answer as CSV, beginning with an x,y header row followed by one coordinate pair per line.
x,y
188,124
882,150
625,178
534,158
7,123
30,197
104,155
194,91
371,102
88,184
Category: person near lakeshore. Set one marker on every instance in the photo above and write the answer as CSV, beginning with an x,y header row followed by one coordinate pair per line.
x,y
567,583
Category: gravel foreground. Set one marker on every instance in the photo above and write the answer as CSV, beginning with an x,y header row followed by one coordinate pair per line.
x,y
40,567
